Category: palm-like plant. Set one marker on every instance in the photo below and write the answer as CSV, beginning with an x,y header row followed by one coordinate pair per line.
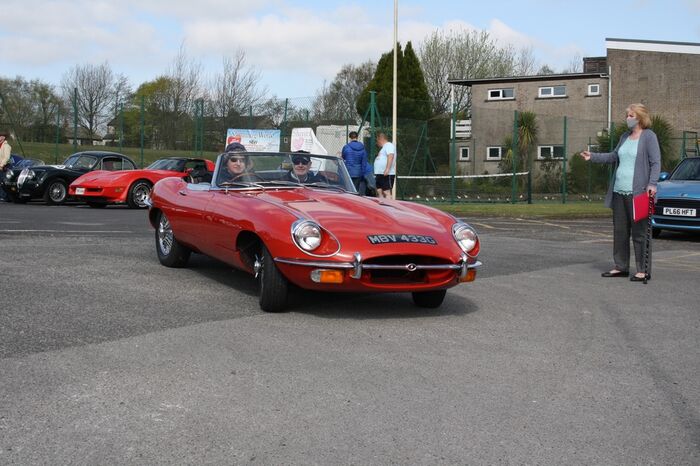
x,y
527,139
664,131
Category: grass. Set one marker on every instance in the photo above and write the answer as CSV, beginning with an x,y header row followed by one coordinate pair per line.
x,y
540,209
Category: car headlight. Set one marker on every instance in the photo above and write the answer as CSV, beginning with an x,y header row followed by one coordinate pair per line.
x,y
25,175
466,237
8,175
306,235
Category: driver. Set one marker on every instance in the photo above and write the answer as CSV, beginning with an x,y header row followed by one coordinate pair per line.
x,y
236,164
300,173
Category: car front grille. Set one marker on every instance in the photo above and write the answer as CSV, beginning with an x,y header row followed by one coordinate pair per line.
x,y
404,275
682,203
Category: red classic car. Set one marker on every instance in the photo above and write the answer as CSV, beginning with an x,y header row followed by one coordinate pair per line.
x,y
296,218
99,188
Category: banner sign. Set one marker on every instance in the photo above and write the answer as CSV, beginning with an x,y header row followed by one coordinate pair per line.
x,y
305,139
255,140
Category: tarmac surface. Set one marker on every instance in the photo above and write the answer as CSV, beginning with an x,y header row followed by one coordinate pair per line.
x,y
107,357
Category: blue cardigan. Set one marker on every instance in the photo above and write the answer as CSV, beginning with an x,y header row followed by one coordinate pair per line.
x,y
646,167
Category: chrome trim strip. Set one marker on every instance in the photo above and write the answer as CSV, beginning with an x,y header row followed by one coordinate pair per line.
x,y
357,266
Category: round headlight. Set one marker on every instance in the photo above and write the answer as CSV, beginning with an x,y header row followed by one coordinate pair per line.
x,y
465,237
8,175
24,175
307,235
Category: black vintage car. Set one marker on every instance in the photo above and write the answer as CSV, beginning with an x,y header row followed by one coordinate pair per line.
x,y
50,182
8,180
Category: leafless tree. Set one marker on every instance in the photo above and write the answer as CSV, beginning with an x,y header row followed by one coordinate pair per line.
x,y
96,90
461,54
236,89
575,65
174,101
336,101
525,64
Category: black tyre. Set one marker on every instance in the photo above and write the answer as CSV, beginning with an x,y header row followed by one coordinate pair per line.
x,y
429,299
12,197
138,193
655,232
20,200
56,192
273,285
170,252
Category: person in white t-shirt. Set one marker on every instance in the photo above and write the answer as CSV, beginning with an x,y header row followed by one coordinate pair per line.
x,y
385,166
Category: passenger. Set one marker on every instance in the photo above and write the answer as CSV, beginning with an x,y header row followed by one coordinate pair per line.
x,y
300,172
236,165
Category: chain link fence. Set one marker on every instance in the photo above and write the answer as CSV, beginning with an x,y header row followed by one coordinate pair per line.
x,y
496,156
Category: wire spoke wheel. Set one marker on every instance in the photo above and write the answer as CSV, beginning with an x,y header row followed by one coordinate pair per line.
x,y
165,235
56,193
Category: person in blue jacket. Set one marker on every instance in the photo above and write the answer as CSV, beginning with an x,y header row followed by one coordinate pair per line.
x,y
355,157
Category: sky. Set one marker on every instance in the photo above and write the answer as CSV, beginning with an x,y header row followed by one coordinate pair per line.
x,y
298,45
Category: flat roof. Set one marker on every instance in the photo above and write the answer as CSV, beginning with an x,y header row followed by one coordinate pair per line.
x,y
652,46
517,79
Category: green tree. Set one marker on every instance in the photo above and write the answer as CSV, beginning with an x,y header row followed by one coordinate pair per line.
x,y
413,100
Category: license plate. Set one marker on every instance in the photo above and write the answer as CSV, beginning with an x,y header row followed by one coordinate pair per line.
x,y
679,211
79,191
401,238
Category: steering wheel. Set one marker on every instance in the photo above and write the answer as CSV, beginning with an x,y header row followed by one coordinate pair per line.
x,y
248,174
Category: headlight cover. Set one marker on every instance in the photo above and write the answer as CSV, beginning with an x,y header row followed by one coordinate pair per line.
x,y
25,175
306,234
8,175
467,238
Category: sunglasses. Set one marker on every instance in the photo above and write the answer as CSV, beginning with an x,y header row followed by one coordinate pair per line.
x,y
300,161
237,159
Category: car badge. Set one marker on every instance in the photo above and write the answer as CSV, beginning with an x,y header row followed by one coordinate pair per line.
x,y
684,194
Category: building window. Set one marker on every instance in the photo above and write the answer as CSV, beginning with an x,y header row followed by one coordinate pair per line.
x,y
464,153
501,94
552,91
493,153
550,152
594,89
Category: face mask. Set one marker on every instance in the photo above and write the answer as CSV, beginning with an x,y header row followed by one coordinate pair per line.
x,y
632,122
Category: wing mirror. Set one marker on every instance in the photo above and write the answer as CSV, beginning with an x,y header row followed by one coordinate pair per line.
x,y
663,176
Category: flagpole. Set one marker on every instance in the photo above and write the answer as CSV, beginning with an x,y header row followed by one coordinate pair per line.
x,y
394,135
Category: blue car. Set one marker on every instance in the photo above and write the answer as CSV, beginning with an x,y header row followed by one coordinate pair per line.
x,y
678,199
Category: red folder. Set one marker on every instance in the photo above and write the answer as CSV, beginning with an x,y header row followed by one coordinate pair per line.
x,y
641,206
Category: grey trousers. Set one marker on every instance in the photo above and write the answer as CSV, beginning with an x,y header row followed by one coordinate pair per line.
x,y
623,226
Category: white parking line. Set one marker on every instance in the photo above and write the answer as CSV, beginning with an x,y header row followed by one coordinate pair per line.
x,y
66,231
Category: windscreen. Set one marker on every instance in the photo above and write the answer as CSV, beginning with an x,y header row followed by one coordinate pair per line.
x,y
245,170
688,170
176,165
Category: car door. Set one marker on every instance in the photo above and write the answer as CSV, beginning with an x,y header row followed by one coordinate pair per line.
x,y
188,219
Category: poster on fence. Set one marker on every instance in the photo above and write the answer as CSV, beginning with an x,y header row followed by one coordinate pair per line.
x,y
255,140
305,139
333,137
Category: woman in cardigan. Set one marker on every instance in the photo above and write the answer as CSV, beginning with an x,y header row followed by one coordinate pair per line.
x,y
637,160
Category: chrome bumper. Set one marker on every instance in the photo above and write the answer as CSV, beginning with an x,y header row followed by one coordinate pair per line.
x,y
357,266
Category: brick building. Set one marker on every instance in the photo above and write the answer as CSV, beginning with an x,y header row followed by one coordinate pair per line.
x,y
665,76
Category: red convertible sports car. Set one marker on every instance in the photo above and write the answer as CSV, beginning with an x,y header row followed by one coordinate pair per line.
x,y
296,218
99,188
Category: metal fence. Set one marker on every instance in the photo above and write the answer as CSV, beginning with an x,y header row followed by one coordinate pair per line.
x,y
506,157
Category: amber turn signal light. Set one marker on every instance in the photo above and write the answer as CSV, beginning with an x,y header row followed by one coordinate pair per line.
x,y
469,277
327,276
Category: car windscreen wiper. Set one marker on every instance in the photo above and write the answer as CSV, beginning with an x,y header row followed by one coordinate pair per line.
x,y
240,184
281,183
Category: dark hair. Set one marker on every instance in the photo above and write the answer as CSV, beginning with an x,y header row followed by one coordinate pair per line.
x,y
353,135
235,147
